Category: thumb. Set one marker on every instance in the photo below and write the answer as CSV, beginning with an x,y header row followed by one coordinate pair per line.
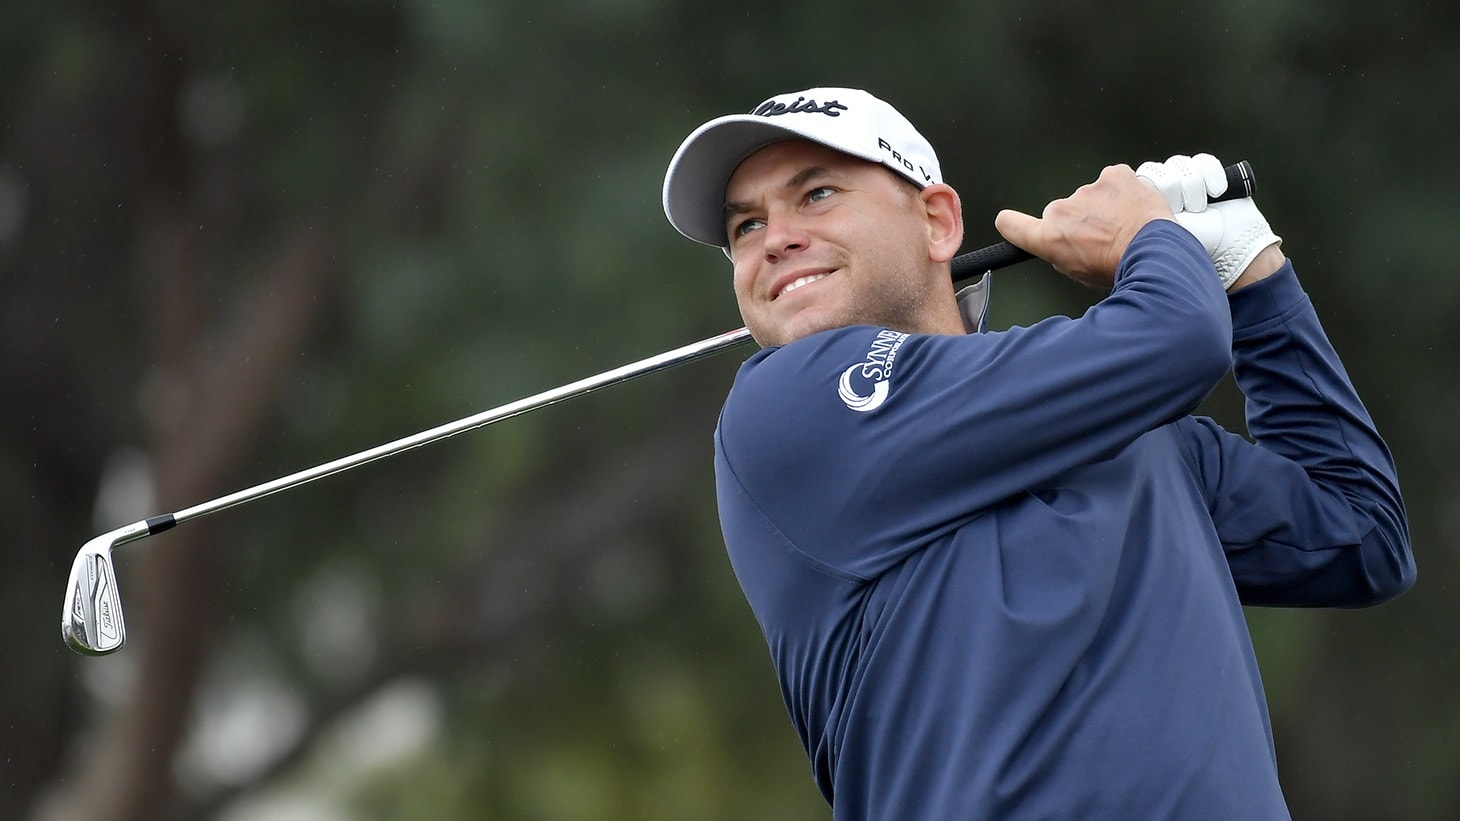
x,y
1019,228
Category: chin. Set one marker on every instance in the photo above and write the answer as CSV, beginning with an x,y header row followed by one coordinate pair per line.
x,y
802,329
811,319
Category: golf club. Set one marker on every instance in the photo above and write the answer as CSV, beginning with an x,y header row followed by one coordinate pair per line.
x,y
91,616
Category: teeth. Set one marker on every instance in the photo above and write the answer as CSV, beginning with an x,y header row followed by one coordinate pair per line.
x,y
802,281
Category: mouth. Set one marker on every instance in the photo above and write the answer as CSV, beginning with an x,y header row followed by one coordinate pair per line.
x,y
800,282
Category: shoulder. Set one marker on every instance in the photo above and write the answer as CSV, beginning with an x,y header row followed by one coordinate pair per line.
x,y
850,360
830,389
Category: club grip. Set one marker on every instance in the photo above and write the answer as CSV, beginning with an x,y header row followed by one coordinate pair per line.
x,y
1241,183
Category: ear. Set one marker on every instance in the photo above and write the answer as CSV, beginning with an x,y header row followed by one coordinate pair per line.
x,y
944,214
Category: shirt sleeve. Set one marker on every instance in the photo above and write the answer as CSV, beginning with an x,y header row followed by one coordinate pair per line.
x,y
967,421
1309,511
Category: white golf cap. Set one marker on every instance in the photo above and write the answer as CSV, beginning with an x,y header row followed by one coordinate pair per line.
x,y
846,119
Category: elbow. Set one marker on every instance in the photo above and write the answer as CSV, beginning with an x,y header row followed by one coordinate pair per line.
x,y
1388,566
1395,574
1400,584
1376,569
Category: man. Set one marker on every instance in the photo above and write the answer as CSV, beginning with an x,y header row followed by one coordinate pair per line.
x,y
1001,574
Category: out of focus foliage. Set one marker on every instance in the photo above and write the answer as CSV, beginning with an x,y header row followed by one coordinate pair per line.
x,y
238,240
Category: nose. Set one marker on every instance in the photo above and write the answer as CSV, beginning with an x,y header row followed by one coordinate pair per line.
x,y
784,234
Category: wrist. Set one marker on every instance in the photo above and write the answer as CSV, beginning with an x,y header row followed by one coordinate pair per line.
x,y
1265,264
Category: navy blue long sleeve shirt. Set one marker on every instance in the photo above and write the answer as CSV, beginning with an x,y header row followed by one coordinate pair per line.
x,y
1002,575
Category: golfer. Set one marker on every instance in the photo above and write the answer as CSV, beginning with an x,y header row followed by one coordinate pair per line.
x,y
1001,574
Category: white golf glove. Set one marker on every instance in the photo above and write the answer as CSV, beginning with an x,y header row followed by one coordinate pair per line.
x,y
1233,232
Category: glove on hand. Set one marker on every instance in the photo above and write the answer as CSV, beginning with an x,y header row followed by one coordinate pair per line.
x,y
1233,232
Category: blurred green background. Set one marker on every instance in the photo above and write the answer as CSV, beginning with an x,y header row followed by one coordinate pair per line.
x,y
237,240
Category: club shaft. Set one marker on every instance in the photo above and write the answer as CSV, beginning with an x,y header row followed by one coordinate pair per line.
x,y
643,367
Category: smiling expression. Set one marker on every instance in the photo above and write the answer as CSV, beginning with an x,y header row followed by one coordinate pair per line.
x,y
822,240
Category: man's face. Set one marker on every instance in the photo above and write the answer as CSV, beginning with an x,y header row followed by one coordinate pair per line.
x,y
822,240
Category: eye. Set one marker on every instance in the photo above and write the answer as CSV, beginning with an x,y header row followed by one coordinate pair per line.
x,y
744,227
819,194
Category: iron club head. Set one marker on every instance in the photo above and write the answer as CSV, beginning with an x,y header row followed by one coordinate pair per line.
x,y
92,622
91,616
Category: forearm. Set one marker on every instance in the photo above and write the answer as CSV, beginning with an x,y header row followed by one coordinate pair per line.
x,y
1302,406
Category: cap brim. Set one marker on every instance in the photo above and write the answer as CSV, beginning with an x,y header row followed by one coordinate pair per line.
x,y
694,187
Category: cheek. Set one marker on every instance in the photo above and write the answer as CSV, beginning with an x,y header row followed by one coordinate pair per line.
x,y
741,280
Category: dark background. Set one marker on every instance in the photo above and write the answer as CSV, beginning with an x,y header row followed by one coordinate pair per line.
x,y
237,240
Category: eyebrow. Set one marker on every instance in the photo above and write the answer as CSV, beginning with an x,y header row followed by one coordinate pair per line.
x,y
801,178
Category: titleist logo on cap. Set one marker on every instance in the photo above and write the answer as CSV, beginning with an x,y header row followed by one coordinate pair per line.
x,y
771,108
